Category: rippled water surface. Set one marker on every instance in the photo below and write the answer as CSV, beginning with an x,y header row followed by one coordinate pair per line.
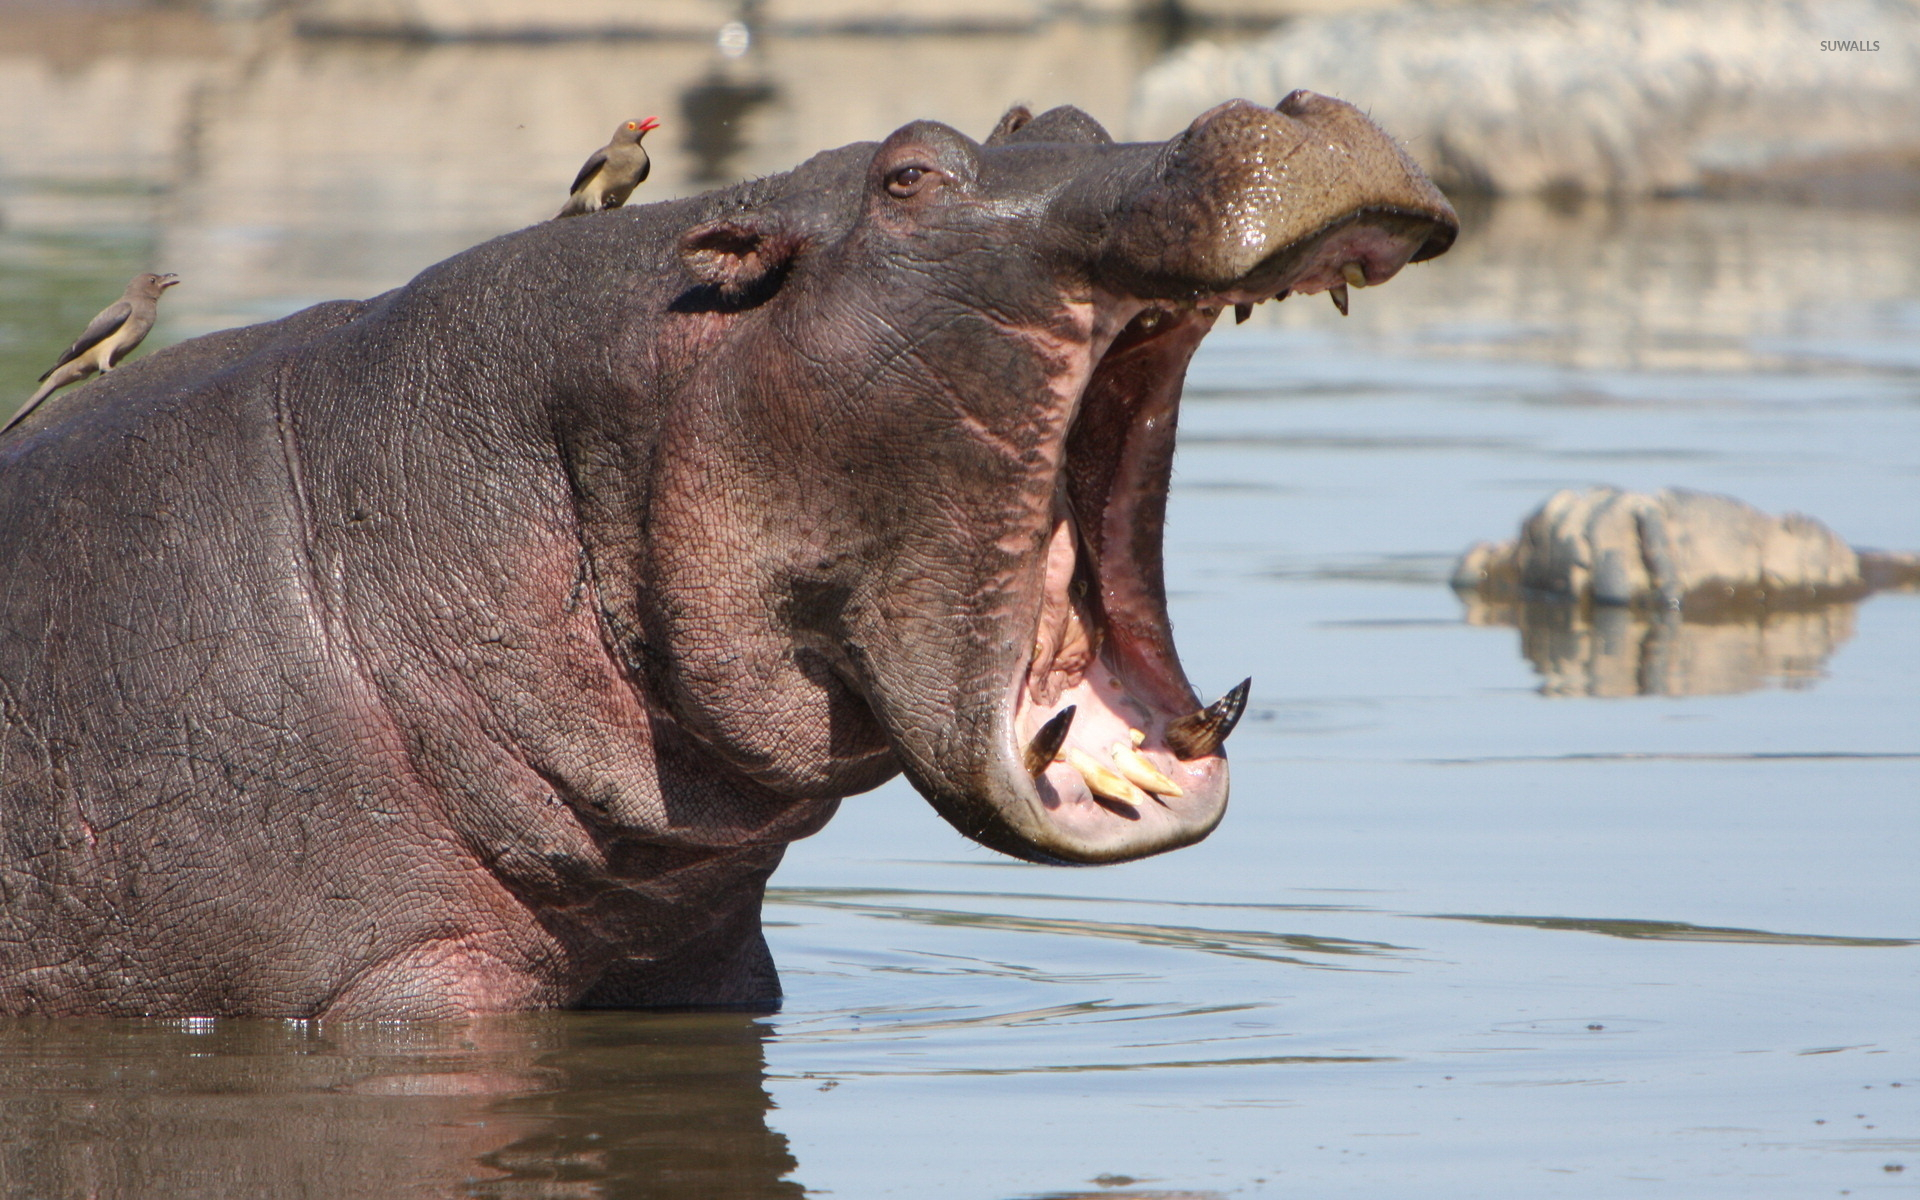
x,y
1630,913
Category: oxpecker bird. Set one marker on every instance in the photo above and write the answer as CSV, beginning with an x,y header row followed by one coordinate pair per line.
x,y
108,338
615,169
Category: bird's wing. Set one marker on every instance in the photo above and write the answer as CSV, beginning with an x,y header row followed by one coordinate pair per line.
x,y
598,160
646,169
111,318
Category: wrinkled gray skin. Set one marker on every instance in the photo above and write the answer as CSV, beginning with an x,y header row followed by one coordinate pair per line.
x,y
480,646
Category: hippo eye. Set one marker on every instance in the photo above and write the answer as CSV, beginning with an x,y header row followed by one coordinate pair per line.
x,y
906,180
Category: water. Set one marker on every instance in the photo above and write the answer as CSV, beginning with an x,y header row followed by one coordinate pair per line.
x,y
1469,929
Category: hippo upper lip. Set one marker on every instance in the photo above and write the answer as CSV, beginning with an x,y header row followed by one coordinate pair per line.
x,y
1379,241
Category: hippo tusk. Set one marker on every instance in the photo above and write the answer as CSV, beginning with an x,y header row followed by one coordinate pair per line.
x,y
1047,741
1141,772
1241,312
1104,781
1339,293
1201,733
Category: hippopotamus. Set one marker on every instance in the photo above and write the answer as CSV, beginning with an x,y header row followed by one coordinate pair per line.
x,y
480,646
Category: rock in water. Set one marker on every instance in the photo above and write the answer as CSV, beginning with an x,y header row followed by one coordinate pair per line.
x,y
1672,593
1671,548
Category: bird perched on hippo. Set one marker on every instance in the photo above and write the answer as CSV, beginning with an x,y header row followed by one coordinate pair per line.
x,y
611,173
114,333
481,645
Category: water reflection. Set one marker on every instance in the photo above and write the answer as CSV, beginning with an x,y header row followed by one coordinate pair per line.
x,y
1236,943
712,112
539,1106
1596,650
1675,931
1105,1194
1682,286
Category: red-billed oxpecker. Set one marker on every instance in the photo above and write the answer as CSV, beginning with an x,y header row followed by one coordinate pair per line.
x,y
108,338
609,177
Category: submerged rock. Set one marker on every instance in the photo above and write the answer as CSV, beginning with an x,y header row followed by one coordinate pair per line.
x,y
1600,96
1672,593
1673,548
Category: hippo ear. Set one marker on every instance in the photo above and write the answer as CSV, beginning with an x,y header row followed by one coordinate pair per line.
x,y
1063,124
1009,125
741,257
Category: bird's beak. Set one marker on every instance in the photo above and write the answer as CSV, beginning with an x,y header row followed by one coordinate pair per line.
x,y
167,281
649,125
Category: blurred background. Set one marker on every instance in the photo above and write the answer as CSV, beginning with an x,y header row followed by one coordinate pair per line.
x,y
280,152
1511,901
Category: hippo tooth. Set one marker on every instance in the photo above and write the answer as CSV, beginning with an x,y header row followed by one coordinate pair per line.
x,y
1104,781
1137,736
1199,734
1355,274
1241,312
1339,293
1141,773
1047,741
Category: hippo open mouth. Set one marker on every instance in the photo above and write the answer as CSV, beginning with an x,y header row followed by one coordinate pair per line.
x,y
1103,718
1122,757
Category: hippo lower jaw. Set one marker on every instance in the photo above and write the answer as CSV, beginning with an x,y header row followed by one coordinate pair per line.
x,y
1107,755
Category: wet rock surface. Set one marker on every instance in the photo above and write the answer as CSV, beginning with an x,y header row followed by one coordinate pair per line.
x,y
1672,593
1673,548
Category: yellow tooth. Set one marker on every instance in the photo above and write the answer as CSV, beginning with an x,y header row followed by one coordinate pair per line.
x,y
1103,781
1355,274
1137,736
1139,771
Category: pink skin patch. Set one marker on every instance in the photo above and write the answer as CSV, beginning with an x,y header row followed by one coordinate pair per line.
x,y
1379,253
1099,643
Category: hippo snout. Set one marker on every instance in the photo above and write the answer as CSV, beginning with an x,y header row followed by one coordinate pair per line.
x,y
1252,203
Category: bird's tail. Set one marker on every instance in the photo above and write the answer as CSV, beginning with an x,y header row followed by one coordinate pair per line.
x,y
33,402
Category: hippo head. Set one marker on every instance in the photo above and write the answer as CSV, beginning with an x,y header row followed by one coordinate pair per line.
x,y
909,483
